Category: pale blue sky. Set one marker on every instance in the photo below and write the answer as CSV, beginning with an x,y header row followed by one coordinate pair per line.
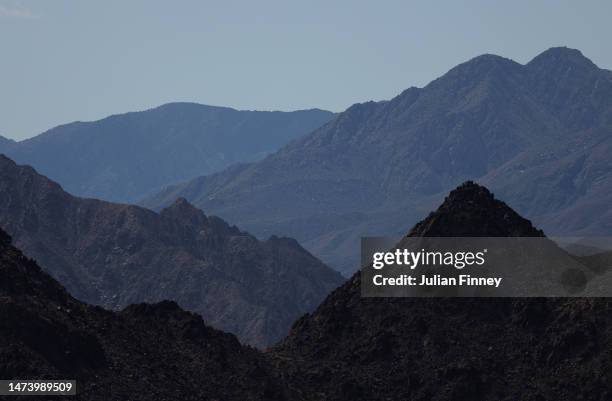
x,y
65,60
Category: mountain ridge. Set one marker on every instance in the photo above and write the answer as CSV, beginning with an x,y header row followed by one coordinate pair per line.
x,y
144,352
126,156
349,348
5,143
377,166
115,254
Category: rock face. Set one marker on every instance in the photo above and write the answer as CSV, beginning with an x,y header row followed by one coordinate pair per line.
x,y
145,352
115,255
125,157
354,348
537,134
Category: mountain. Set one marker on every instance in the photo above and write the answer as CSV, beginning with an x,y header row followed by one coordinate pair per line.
x,y
114,255
354,348
349,348
378,166
125,157
5,143
144,352
567,186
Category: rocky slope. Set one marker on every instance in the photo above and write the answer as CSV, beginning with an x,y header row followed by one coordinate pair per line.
x,y
536,133
350,348
126,157
145,352
354,348
114,255
566,186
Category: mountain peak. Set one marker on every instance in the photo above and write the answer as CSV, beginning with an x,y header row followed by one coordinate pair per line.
x,y
447,357
490,58
483,65
182,203
472,210
5,143
561,56
183,209
469,190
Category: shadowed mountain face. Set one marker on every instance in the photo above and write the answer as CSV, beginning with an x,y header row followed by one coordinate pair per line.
x,y
539,134
126,157
354,348
114,255
471,210
145,352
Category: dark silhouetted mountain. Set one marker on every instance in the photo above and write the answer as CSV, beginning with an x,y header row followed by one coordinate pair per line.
x,y
471,210
114,255
488,349
145,352
378,166
125,157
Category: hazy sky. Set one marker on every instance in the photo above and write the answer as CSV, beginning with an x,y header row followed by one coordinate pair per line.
x,y
66,60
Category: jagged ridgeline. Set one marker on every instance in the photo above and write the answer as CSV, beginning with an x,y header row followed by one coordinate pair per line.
x,y
349,349
114,255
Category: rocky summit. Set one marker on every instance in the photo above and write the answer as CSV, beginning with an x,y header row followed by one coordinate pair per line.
x,y
354,348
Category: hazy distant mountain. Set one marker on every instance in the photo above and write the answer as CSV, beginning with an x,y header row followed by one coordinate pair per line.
x,y
145,352
566,186
5,143
114,255
378,166
126,157
375,349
